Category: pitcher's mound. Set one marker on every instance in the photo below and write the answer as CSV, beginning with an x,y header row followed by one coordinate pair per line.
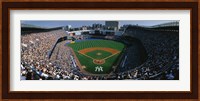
x,y
98,53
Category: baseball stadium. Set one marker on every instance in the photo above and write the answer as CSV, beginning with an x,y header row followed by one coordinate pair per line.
x,y
100,52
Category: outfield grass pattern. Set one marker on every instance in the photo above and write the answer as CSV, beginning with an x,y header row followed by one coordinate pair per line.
x,y
88,62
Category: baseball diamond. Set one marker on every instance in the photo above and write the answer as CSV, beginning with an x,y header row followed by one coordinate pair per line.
x,y
97,56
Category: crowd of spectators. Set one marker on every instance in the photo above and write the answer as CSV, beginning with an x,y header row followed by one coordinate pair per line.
x,y
35,63
163,54
162,61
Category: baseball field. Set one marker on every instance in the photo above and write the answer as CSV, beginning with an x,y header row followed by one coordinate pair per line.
x,y
97,56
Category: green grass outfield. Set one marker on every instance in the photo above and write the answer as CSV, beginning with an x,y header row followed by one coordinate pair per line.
x,y
88,62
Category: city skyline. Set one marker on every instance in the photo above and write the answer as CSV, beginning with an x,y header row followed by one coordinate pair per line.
x,y
59,23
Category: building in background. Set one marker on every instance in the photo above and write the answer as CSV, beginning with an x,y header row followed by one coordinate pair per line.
x,y
97,26
112,25
67,28
84,27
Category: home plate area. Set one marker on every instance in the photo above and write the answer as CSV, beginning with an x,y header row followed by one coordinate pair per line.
x,y
98,55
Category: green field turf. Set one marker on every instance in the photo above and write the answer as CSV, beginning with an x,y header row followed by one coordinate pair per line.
x,y
94,54
88,62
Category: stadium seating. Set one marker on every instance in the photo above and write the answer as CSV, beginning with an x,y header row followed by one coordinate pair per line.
x,y
149,55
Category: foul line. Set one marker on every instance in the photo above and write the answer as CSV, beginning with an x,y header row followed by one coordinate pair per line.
x,y
111,55
86,55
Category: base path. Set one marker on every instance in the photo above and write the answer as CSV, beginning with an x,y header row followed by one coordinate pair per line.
x,y
99,61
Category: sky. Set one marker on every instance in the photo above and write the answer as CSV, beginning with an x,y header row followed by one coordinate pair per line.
x,y
58,23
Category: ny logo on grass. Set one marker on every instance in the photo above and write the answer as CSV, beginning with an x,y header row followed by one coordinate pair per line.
x,y
98,69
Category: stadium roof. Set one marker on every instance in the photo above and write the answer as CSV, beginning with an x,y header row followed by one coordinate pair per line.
x,y
30,26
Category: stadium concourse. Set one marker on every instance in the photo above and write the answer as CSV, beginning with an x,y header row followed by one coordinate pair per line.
x,y
151,54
